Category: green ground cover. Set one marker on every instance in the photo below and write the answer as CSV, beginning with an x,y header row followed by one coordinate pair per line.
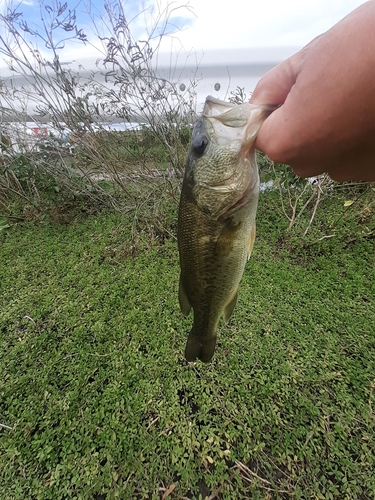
x,y
101,404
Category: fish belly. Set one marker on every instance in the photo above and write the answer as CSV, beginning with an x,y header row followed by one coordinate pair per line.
x,y
213,255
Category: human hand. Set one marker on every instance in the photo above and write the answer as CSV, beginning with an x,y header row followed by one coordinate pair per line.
x,y
326,93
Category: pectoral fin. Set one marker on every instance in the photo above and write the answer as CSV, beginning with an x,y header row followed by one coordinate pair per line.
x,y
229,307
185,305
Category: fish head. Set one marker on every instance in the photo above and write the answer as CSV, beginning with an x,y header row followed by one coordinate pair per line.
x,y
221,170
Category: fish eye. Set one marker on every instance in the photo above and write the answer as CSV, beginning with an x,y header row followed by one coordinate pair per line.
x,y
199,145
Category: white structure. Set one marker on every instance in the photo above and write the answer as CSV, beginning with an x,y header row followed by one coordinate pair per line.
x,y
216,72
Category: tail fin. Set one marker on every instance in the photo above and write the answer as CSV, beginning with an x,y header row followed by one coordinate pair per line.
x,y
198,348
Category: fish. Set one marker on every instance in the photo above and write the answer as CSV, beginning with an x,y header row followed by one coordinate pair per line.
x,y
216,217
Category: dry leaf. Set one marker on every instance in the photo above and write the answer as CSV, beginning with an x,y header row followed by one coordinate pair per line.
x,y
168,491
348,203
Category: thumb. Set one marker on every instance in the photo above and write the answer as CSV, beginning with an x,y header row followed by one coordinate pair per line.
x,y
273,89
270,136
275,85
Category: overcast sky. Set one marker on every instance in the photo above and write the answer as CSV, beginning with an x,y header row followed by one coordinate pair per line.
x,y
257,23
243,38
210,24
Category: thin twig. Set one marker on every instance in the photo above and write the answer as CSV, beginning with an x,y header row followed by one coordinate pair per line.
x,y
3,426
305,205
249,474
31,319
314,211
246,470
153,421
320,239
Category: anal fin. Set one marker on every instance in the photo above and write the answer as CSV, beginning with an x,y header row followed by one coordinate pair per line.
x,y
229,307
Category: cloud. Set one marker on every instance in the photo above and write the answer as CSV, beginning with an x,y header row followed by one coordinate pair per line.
x,y
262,23
199,26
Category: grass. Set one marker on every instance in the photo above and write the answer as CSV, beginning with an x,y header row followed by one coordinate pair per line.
x,y
101,404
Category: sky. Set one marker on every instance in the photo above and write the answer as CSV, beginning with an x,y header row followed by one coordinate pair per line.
x,y
259,23
232,43
206,25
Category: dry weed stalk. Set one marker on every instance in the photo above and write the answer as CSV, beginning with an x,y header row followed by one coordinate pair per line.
x,y
297,189
126,86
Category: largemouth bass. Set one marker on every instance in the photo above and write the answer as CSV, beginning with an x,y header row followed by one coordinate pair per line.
x,y
216,220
